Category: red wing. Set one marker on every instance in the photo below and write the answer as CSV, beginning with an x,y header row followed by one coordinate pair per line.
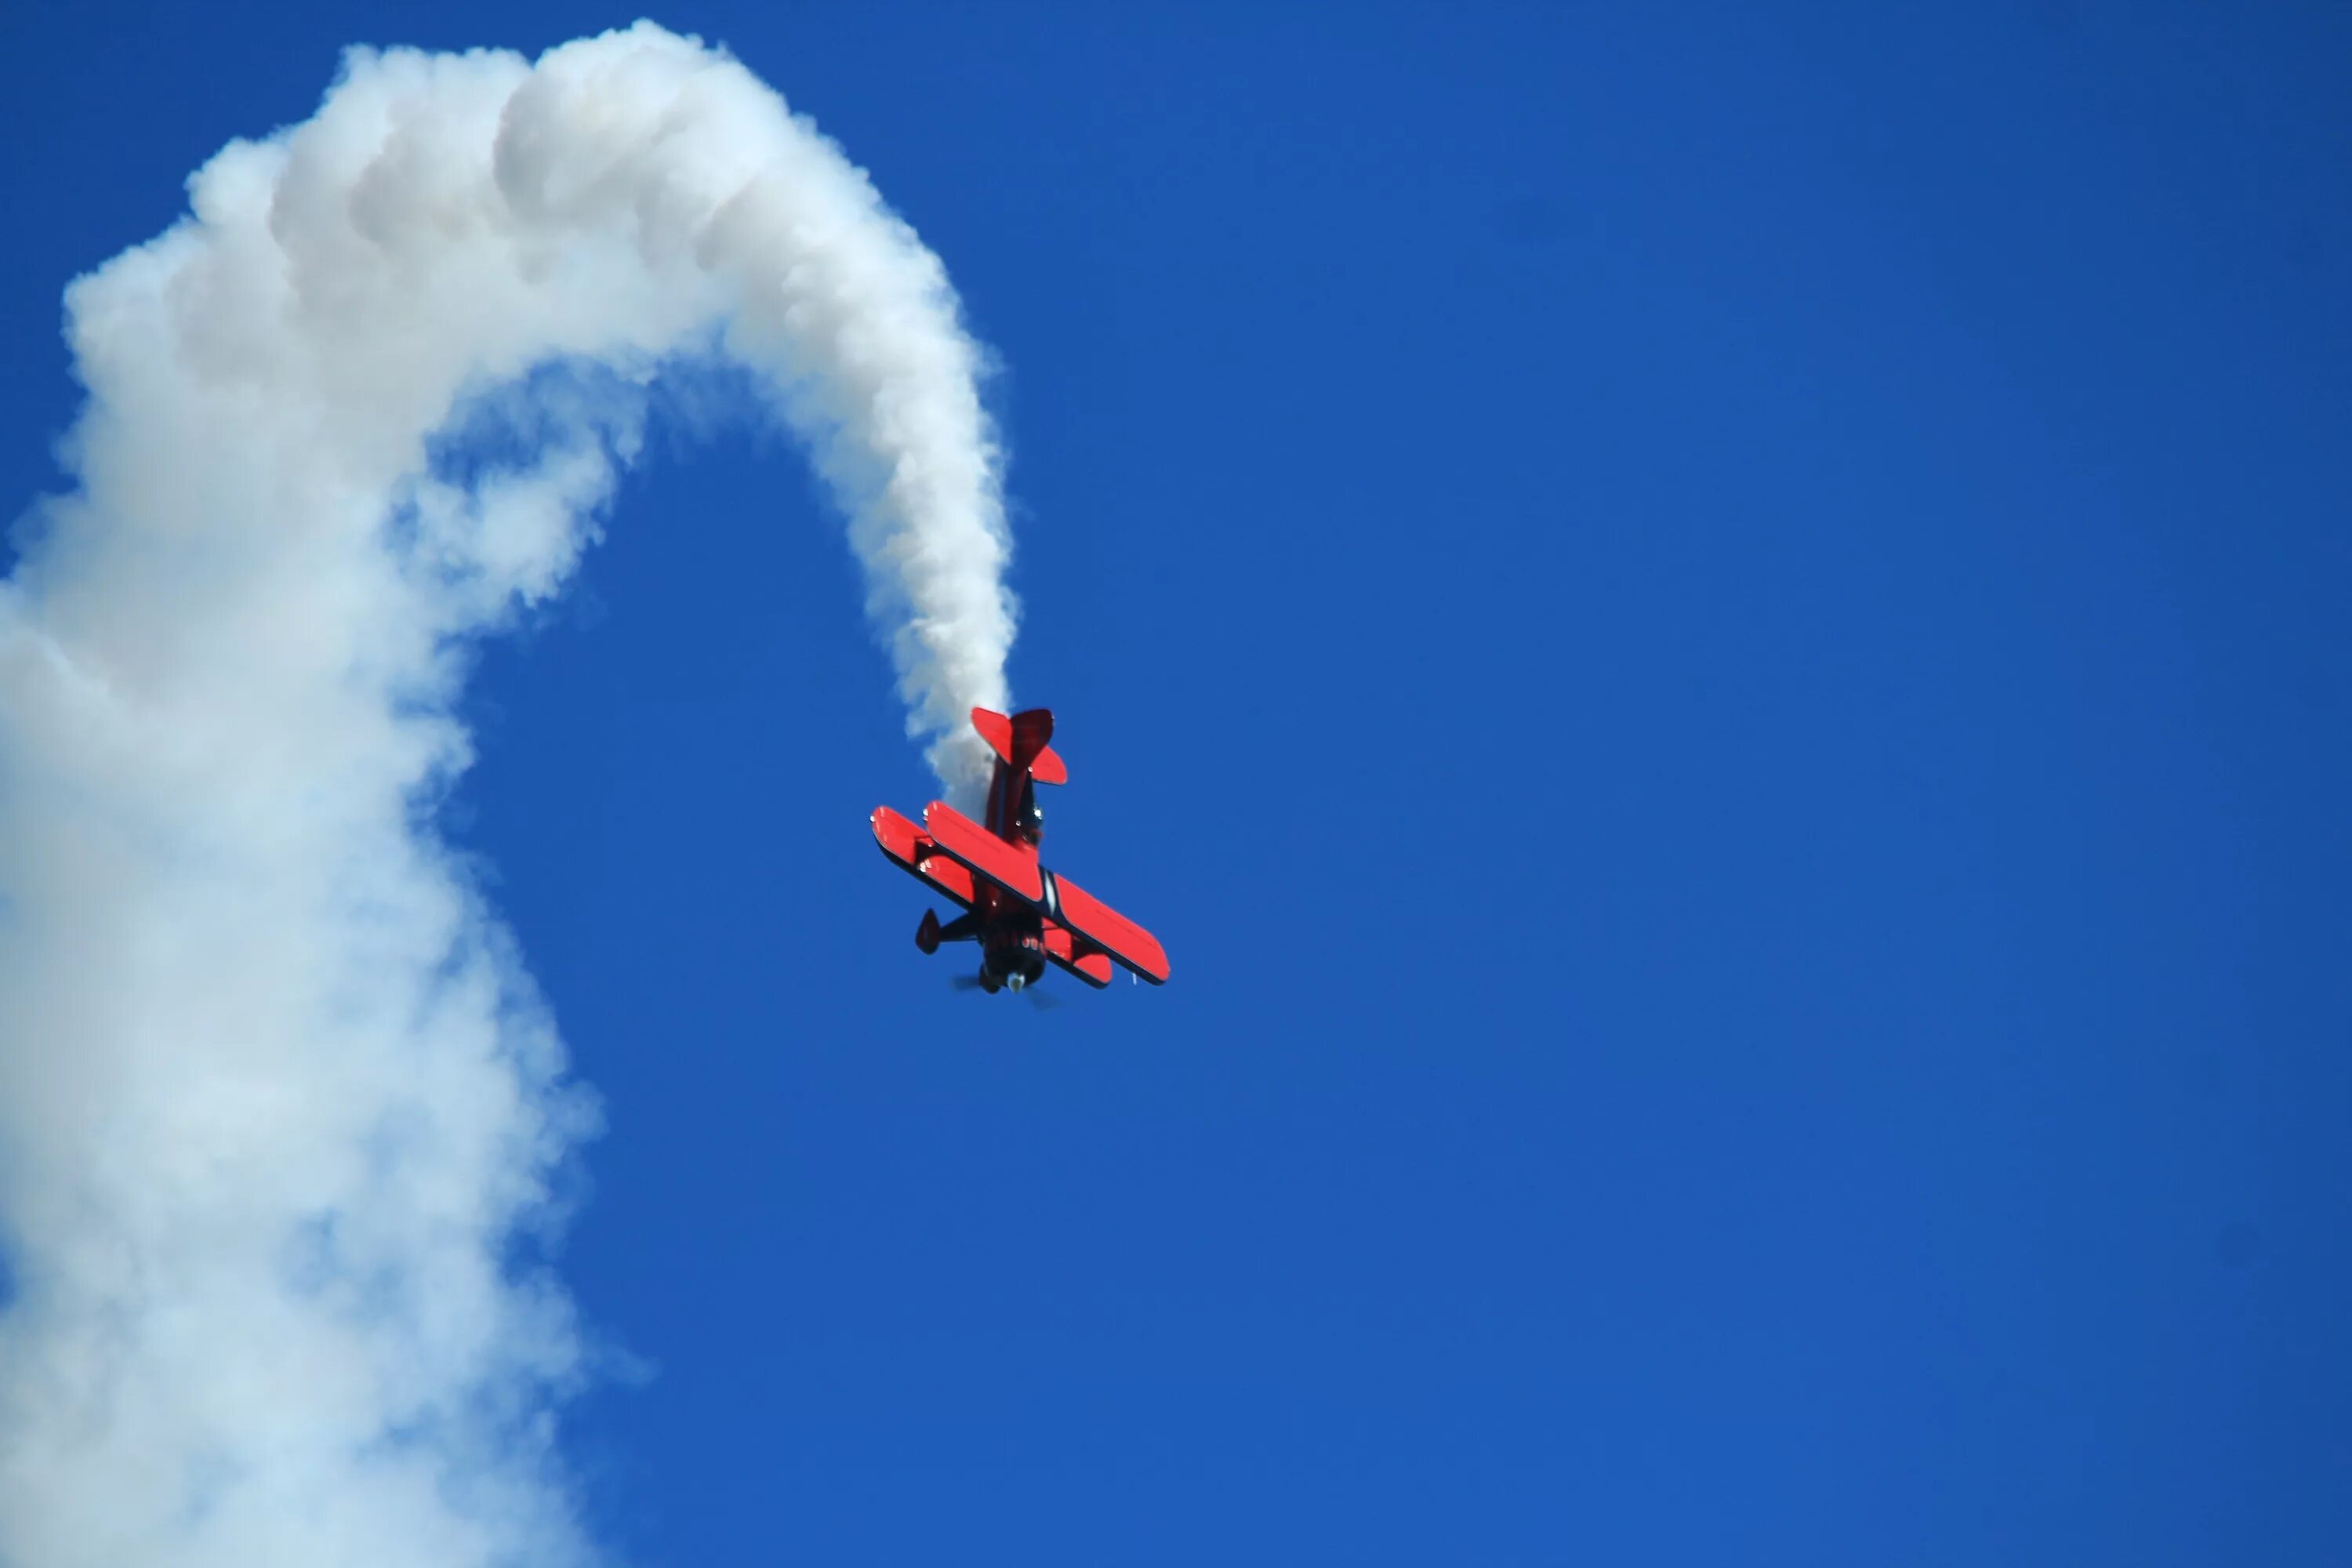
x,y
984,852
1100,925
1090,966
911,847
1094,931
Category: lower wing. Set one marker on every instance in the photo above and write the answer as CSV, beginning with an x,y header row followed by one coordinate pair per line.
x,y
915,851
1068,954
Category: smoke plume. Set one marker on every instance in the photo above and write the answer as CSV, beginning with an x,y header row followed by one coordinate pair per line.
x,y
276,1098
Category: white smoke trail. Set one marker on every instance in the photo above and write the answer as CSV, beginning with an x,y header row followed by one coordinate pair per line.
x,y
276,1098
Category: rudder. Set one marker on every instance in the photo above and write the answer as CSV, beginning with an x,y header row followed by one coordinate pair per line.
x,y
1031,731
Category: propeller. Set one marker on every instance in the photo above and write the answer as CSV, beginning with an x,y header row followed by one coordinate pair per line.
x,y
1042,1001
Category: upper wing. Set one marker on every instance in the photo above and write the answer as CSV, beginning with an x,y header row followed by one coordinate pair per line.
x,y
1100,926
1099,929
984,852
913,849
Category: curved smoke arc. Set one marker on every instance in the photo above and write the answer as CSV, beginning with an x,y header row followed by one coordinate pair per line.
x,y
276,1094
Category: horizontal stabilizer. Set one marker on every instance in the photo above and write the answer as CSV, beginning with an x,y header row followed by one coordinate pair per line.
x,y
1021,739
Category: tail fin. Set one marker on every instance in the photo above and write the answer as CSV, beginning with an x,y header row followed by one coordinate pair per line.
x,y
1021,742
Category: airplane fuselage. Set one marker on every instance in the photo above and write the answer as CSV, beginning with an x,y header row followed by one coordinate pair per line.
x,y
1011,934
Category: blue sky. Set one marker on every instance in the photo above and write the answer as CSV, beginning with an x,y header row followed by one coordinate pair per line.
x,y
1715,643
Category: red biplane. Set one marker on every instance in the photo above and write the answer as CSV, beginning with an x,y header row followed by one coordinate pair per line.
x,y
1023,915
